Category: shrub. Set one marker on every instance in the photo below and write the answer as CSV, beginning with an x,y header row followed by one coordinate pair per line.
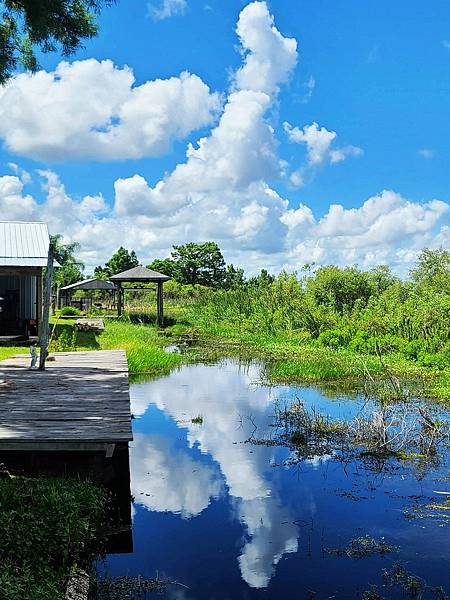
x,y
334,338
70,311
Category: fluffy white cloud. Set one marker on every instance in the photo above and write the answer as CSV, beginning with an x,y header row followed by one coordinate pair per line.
x,y
318,141
269,57
341,154
220,192
166,9
92,109
387,229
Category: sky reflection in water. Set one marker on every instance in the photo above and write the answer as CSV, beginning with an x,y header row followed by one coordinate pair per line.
x,y
215,513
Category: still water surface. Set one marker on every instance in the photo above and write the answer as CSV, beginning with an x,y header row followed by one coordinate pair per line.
x,y
230,520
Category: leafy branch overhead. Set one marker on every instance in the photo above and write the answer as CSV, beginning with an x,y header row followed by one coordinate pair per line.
x,y
46,25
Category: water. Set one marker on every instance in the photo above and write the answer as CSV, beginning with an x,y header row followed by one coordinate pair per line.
x,y
231,520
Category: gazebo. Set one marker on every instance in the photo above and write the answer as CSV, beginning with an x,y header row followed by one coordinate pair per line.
x,y
141,274
65,293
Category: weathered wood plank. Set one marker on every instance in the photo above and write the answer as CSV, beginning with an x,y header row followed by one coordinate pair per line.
x,y
81,398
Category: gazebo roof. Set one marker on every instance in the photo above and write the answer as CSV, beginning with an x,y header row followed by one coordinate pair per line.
x,y
90,284
140,274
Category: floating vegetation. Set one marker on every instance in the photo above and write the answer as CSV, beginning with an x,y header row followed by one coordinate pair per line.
x,y
372,594
361,547
436,510
411,585
127,588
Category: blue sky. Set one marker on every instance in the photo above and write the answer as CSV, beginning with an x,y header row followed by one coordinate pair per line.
x,y
377,75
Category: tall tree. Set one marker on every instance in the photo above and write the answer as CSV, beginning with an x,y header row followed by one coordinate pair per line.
x,y
122,260
71,268
47,25
432,269
199,264
166,266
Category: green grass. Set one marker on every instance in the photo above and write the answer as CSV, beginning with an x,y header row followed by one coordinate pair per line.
x,y
7,351
289,357
47,525
143,344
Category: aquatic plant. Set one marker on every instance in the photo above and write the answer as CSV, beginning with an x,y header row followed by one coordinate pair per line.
x,y
126,588
361,547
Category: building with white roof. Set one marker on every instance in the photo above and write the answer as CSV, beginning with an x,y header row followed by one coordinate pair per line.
x,y
23,255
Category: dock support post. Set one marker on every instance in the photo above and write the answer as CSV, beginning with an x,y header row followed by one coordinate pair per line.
x,y
160,304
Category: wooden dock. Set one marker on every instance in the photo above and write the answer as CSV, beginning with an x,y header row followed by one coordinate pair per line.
x,y
80,402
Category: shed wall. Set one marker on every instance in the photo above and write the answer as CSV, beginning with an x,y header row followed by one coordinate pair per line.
x,y
26,286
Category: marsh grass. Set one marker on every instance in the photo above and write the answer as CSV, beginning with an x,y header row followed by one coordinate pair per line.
x,y
403,430
47,525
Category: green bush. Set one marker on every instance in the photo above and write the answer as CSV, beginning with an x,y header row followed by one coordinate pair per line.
x,y
70,311
335,338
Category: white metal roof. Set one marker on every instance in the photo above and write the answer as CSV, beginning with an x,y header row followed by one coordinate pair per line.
x,y
23,244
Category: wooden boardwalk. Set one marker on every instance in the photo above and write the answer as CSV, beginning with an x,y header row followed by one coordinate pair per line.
x,y
80,402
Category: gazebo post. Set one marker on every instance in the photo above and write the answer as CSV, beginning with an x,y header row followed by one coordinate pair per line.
x,y
119,299
160,304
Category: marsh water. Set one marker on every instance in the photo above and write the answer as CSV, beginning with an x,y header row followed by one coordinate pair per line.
x,y
230,519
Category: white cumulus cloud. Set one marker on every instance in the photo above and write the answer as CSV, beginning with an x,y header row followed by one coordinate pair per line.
x,y
221,191
93,109
269,57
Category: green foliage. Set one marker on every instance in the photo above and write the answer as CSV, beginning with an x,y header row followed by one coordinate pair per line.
x,y
48,25
120,261
65,342
433,269
166,266
47,525
369,313
70,269
69,311
199,264
142,345
341,288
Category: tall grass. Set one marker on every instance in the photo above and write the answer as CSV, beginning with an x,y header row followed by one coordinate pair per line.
x,y
143,345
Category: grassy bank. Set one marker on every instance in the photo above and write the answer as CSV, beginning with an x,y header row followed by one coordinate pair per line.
x,y
47,526
142,342
290,356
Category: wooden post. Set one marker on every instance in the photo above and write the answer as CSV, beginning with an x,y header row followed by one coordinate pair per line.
x,y
160,304
46,309
119,299
39,302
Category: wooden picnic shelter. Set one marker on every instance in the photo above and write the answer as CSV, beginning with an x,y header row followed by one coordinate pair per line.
x,y
141,274
87,285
